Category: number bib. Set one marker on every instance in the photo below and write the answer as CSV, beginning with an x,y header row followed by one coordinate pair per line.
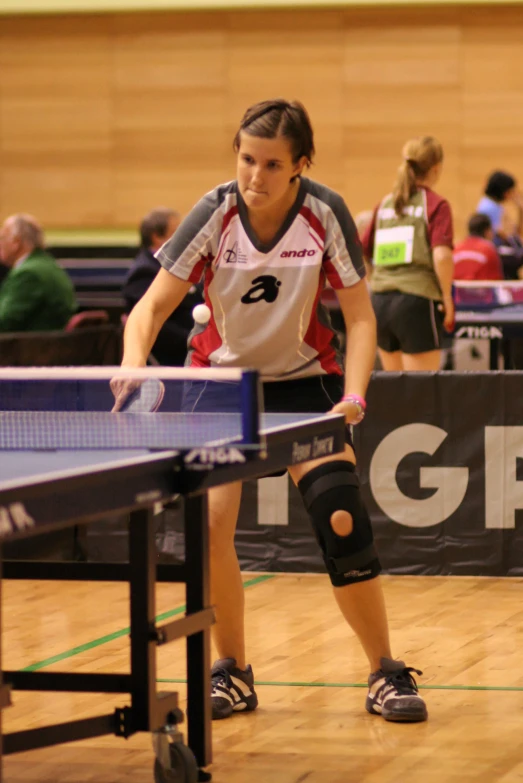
x,y
393,246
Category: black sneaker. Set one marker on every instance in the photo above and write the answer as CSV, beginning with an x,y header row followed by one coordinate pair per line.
x,y
232,689
393,693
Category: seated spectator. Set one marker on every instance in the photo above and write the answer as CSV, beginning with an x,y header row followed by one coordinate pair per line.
x,y
37,294
156,228
510,249
476,258
501,188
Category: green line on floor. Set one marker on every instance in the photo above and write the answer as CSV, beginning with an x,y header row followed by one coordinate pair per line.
x,y
124,632
507,688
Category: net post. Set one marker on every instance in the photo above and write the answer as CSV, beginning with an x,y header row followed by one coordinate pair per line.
x,y
251,397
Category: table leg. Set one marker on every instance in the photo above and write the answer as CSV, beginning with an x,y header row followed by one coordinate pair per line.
x,y
1,668
494,353
198,645
142,564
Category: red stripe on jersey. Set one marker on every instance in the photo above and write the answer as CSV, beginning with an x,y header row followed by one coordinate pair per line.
x,y
319,337
313,222
332,273
223,240
228,217
198,268
314,239
203,344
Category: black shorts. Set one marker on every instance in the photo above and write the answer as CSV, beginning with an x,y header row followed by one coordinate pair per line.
x,y
304,395
407,323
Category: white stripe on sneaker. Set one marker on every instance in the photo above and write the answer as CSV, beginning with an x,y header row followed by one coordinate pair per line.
x,y
241,685
222,692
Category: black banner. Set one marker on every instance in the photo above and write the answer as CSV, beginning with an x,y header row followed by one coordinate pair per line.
x,y
440,459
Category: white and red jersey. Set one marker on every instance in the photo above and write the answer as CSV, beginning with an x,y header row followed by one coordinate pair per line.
x,y
477,259
266,312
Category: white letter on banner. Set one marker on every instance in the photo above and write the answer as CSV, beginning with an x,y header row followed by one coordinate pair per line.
x,y
451,483
503,492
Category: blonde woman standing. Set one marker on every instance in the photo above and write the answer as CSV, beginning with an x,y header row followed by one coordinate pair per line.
x,y
409,242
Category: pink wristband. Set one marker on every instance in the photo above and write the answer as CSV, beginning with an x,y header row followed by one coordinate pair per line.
x,y
355,398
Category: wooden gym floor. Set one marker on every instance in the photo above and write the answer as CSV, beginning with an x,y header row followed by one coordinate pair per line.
x,y
311,727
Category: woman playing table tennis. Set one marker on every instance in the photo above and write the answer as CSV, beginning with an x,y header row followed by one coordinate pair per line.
x,y
266,244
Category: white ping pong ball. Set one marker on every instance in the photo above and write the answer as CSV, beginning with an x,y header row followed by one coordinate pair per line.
x,y
201,314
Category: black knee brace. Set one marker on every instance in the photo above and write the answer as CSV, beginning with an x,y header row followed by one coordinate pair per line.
x,y
332,487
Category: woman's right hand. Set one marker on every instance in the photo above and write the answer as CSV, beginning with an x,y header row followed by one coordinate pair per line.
x,y
449,315
122,388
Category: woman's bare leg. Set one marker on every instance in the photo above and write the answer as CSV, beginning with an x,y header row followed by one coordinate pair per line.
x,y
227,594
362,604
422,362
391,362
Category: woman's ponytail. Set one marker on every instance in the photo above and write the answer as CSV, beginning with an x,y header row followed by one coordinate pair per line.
x,y
419,156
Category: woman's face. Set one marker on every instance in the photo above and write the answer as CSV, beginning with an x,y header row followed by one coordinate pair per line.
x,y
264,171
510,194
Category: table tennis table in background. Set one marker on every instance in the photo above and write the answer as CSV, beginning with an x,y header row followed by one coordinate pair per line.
x,y
97,263
490,310
64,468
485,310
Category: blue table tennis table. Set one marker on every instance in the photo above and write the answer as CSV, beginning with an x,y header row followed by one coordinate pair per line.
x,y
499,326
49,487
490,310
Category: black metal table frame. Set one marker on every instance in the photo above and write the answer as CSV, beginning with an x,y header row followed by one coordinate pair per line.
x,y
149,711
157,478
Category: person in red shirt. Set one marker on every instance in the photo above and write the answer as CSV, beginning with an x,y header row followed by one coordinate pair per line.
x,y
476,258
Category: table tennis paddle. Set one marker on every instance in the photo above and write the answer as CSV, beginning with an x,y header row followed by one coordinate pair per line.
x,y
146,398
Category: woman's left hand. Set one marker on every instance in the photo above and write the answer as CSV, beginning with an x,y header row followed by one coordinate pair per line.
x,y
352,412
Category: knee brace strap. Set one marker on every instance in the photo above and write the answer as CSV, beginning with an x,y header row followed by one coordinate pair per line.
x,y
332,487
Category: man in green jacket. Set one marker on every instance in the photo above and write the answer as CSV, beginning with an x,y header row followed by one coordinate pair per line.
x,y
37,294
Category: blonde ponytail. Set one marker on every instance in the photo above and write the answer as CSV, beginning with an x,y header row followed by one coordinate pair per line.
x,y
419,156
404,188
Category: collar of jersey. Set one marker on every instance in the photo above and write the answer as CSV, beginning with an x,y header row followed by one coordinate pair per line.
x,y
260,246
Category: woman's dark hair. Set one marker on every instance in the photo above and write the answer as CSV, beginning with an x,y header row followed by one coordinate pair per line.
x,y
271,119
498,185
479,225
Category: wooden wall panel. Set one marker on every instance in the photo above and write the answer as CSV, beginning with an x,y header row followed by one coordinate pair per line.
x,y
169,110
55,94
296,56
103,117
492,88
402,79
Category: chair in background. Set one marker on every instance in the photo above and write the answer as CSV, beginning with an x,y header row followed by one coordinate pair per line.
x,y
87,318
